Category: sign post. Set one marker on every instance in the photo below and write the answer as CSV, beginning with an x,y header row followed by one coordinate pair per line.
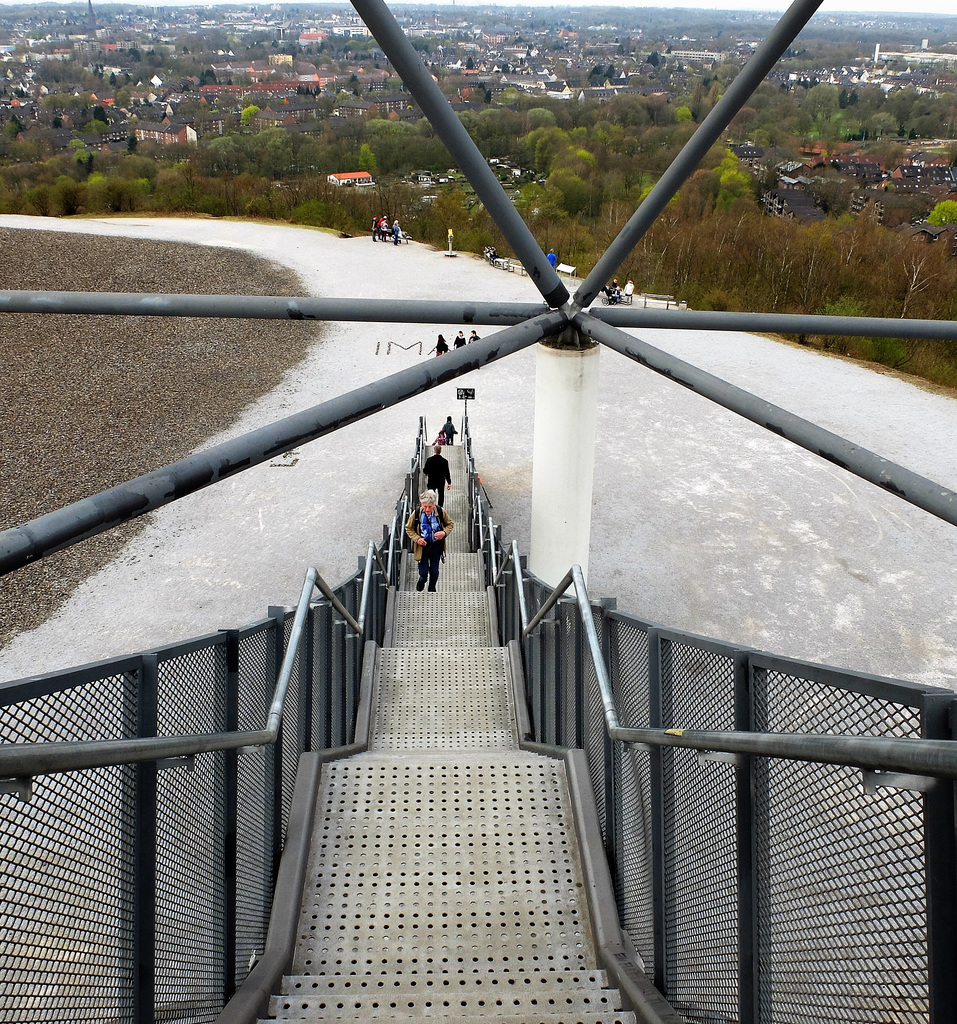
x,y
464,394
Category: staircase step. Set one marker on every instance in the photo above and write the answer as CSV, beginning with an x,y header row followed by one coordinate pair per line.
x,y
461,571
418,984
446,618
569,1017
440,698
448,1004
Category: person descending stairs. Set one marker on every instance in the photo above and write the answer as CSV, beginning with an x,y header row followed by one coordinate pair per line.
x,y
444,876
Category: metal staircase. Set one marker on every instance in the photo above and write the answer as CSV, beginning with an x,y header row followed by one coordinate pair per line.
x,y
444,876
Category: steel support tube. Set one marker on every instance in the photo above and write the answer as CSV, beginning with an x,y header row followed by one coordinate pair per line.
x,y
520,583
271,307
594,648
85,518
774,323
21,760
418,80
708,132
274,718
563,584
879,753
915,489
360,626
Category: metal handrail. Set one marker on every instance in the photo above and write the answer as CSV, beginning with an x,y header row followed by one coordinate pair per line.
x,y
20,760
491,547
326,591
506,560
882,753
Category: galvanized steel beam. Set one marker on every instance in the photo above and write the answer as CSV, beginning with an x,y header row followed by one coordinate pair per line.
x,y
774,323
85,518
418,80
708,132
271,307
925,494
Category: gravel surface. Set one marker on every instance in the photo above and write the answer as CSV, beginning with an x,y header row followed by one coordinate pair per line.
x,y
700,521
88,402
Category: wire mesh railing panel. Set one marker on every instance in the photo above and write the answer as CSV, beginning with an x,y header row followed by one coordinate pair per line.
x,y
632,770
699,830
570,674
66,865
595,742
293,728
843,916
254,786
190,842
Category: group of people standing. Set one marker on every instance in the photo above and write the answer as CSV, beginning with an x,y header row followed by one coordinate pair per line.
x,y
430,524
381,232
459,341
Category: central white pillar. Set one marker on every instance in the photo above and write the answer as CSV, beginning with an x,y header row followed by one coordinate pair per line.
x,y
566,413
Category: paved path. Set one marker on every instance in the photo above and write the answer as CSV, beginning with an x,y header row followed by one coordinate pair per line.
x,y
701,521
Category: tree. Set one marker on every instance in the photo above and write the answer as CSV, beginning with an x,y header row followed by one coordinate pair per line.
x,y
943,213
248,114
367,160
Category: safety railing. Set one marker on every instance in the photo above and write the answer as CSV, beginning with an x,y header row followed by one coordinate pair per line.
x,y
781,835
133,891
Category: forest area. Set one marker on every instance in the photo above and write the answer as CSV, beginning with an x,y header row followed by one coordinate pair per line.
x,y
585,169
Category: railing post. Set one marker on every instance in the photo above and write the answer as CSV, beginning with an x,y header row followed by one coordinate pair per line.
x,y
353,658
656,758
322,612
578,740
940,868
307,676
746,853
144,857
609,795
278,615
230,812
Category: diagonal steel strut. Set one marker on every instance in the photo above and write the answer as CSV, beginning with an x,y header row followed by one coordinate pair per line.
x,y
89,516
417,79
707,133
939,501
774,323
272,307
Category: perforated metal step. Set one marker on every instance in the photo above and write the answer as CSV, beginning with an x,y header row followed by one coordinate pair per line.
x,y
459,572
443,984
499,1004
494,1017
441,698
443,619
438,864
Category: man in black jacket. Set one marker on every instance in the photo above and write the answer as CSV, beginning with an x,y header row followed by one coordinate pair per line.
x,y
438,474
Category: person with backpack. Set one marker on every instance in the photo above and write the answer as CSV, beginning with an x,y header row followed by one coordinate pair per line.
x,y
459,341
448,428
427,527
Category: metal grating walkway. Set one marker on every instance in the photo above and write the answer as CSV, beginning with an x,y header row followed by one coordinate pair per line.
x,y
444,876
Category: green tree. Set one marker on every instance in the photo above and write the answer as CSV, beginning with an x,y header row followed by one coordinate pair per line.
x,y
367,159
248,114
943,213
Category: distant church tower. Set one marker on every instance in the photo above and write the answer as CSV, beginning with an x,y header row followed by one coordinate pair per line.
x,y
90,17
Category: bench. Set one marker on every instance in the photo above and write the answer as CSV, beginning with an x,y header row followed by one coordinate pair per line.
x,y
668,300
564,268
503,263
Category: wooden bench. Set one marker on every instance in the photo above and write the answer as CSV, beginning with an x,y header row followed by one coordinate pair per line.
x,y
564,268
668,300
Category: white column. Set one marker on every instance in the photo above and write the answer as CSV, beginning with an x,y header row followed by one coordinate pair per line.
x,y
566,411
